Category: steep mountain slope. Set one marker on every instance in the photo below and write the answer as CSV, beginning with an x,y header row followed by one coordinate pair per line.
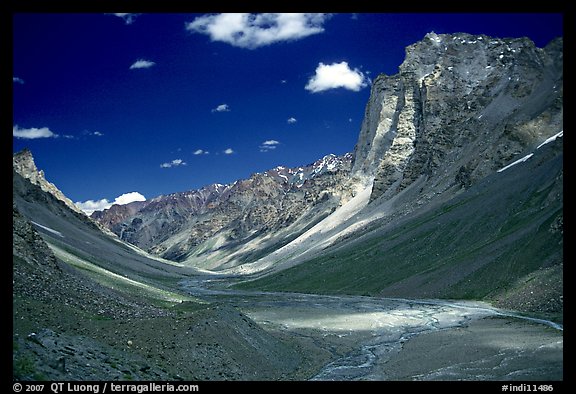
x,y
501,240
460,108
220,226
439,126
23,164
88,306
73,232
443,215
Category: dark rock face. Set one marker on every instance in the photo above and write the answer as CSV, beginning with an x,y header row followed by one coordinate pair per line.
x,y
28,245
461,107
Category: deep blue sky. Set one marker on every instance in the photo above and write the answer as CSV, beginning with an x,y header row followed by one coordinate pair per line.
x,y
116,126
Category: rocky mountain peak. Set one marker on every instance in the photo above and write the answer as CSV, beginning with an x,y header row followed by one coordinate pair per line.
x,y
460,106
23,163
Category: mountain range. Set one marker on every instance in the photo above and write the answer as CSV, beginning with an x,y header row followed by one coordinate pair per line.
x,y
453,190
460,108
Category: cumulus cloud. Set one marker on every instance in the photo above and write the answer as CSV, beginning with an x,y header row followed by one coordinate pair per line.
x,y
269,145
228,151
141,63
128,17
97,134
222,108
32,133
255,30
291,120
336,75
127,198
17,80
200,152
91,205
173,163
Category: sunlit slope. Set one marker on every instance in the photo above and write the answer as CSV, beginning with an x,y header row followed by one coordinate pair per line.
x,y
496,241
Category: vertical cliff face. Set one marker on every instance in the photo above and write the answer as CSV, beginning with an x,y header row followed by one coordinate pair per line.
x,y
460,107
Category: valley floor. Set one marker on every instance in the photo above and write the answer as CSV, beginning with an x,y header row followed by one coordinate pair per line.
x,y
499,349
248,335
401,339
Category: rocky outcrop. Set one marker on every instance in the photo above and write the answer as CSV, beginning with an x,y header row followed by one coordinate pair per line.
x,y
460,107
29,246
23,164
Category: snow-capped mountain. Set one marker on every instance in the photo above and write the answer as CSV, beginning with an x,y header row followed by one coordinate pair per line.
x,y
181,225
299,175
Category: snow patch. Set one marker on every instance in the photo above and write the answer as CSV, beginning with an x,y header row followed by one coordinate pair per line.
x,y
516,162
58,233
553,138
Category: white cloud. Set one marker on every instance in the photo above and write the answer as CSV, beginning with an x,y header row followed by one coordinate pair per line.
x,y
256,30
128,17
17,80
90,206
200,152
228,151
292,120
32,133
336,75
269,145
93,133
99,205
173,163
141,63
222,108
283,81
127,198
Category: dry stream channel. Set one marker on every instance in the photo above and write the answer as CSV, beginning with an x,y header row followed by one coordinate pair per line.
x,y
404,339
